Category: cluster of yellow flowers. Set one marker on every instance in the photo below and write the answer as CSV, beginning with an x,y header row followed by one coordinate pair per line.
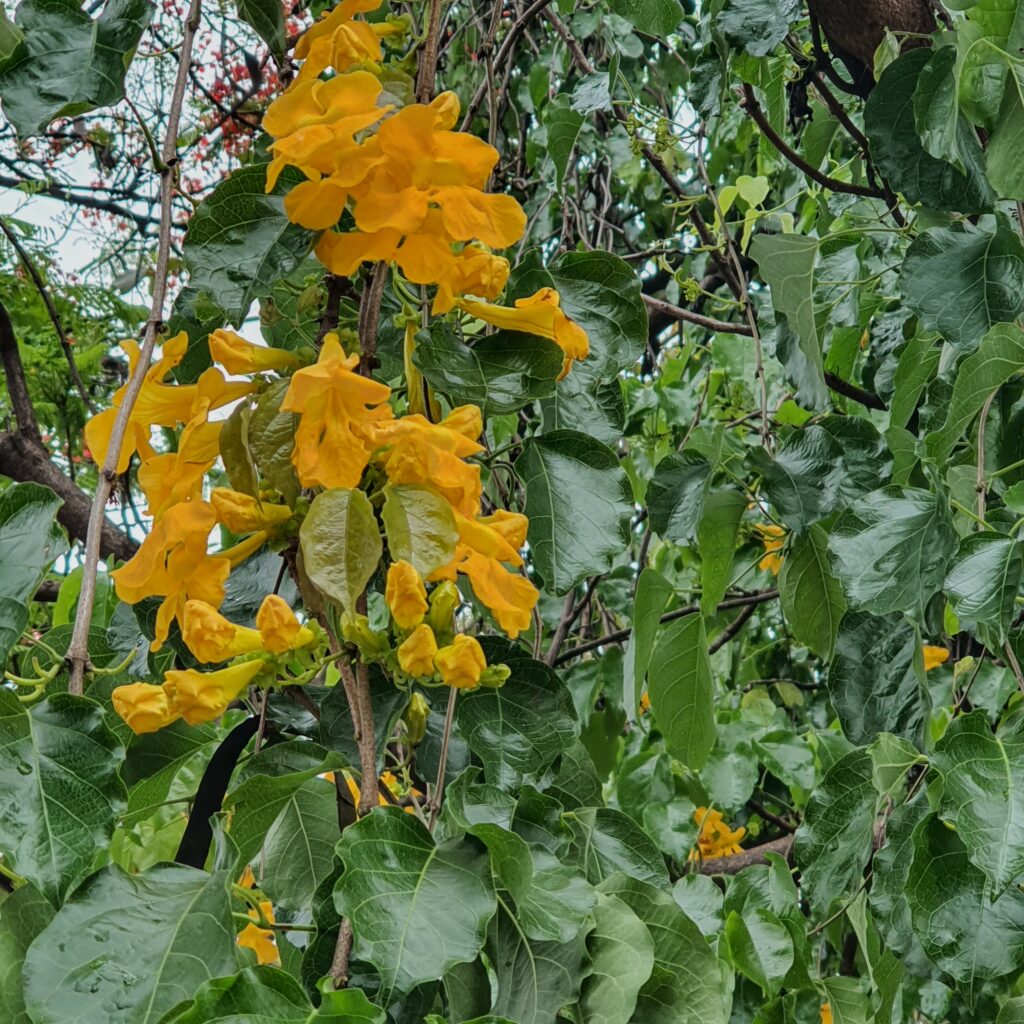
x,y
414,188
716,839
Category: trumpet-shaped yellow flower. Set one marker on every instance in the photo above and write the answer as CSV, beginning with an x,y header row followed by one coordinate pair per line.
x,y
772,537
237,355
461,663
826,1013
144,707
472,271
934,656
279,628
337,409
417,652
340,41
405,594
261,940
416,451
539,314
716,839
203,696
242,513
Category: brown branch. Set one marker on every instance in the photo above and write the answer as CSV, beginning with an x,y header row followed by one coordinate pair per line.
x,y
14,373
844,387
734,864
732,629
78,650
428,58
707,322
369,318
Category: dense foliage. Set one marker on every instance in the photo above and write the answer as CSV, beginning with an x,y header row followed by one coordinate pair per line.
x,y
597,595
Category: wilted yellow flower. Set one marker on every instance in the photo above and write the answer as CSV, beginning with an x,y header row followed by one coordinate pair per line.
x,y
237,355
203,696
772,537
337,408
279,628
144,707
261,940
242,513
716,839
461,663
934,656
405,594
416,653
539,314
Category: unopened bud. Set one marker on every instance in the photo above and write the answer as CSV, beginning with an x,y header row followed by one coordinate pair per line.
x,y
415,718
495,676
444,602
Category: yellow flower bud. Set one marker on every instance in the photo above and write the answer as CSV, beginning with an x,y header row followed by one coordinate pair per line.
x,y
415,718
416,654
279,629
211,637
242,513
495,676
356,630
145,707
461,663
406,595
444,602
237,355
203,696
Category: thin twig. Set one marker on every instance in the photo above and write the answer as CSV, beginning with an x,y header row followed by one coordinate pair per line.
x,y
707,322
442,762
78,650
980,485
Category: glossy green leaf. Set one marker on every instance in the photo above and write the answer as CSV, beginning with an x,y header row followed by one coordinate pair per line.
x,y
936,112
607,841
127,948
982,585
267,18
24,913
583,401
416,908
657,16
652,594
270,440
760,947
563,126
578,503
812,598
420,527
60,790
1001,164
849,1004
757,25
682,691
341,544
675,495
891,549
716,540
68,63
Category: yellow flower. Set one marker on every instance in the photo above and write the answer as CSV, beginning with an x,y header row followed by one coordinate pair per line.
x,y
203,696
472,271
934,656
645,703
539,314
388,779
432,455
145,707
826,1013
772,537
417,652
716,839
337,408
261,940
279,628
237,355
405,594
338,40
212,638
461,663
242,513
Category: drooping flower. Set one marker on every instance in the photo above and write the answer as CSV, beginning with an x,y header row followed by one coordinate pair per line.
x,y
144,707
339,40
539,314
203,696
716,839
337,408
212,638
237,355
279,628
474,270
462,662
934,656
405,594
417,652
242,513
772,537
261,940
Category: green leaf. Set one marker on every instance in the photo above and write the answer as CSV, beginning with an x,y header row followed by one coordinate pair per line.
x,y
621,954
67,64
999,356
964,928
59,788
834,842
578,503
682,692
592,93
583,401
701,900
1012,1011
270,440
685,986
420,527
982,796
902,159
849,1004
675,495
127,948
499,372
1002,162
812,599
607,841
891,549
982,585
786,263
918,362
30,540
876,680
267,18
757,25
23,915
936,113
760,947
961,281
268,995
652,594
240,243
341,544
417,908
518,729
716,540
659,17
563,125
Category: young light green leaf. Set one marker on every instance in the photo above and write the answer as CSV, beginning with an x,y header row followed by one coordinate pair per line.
x,y
420,527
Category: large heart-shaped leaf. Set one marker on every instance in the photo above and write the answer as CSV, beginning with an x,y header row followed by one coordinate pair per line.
x,y
982,585
24,913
